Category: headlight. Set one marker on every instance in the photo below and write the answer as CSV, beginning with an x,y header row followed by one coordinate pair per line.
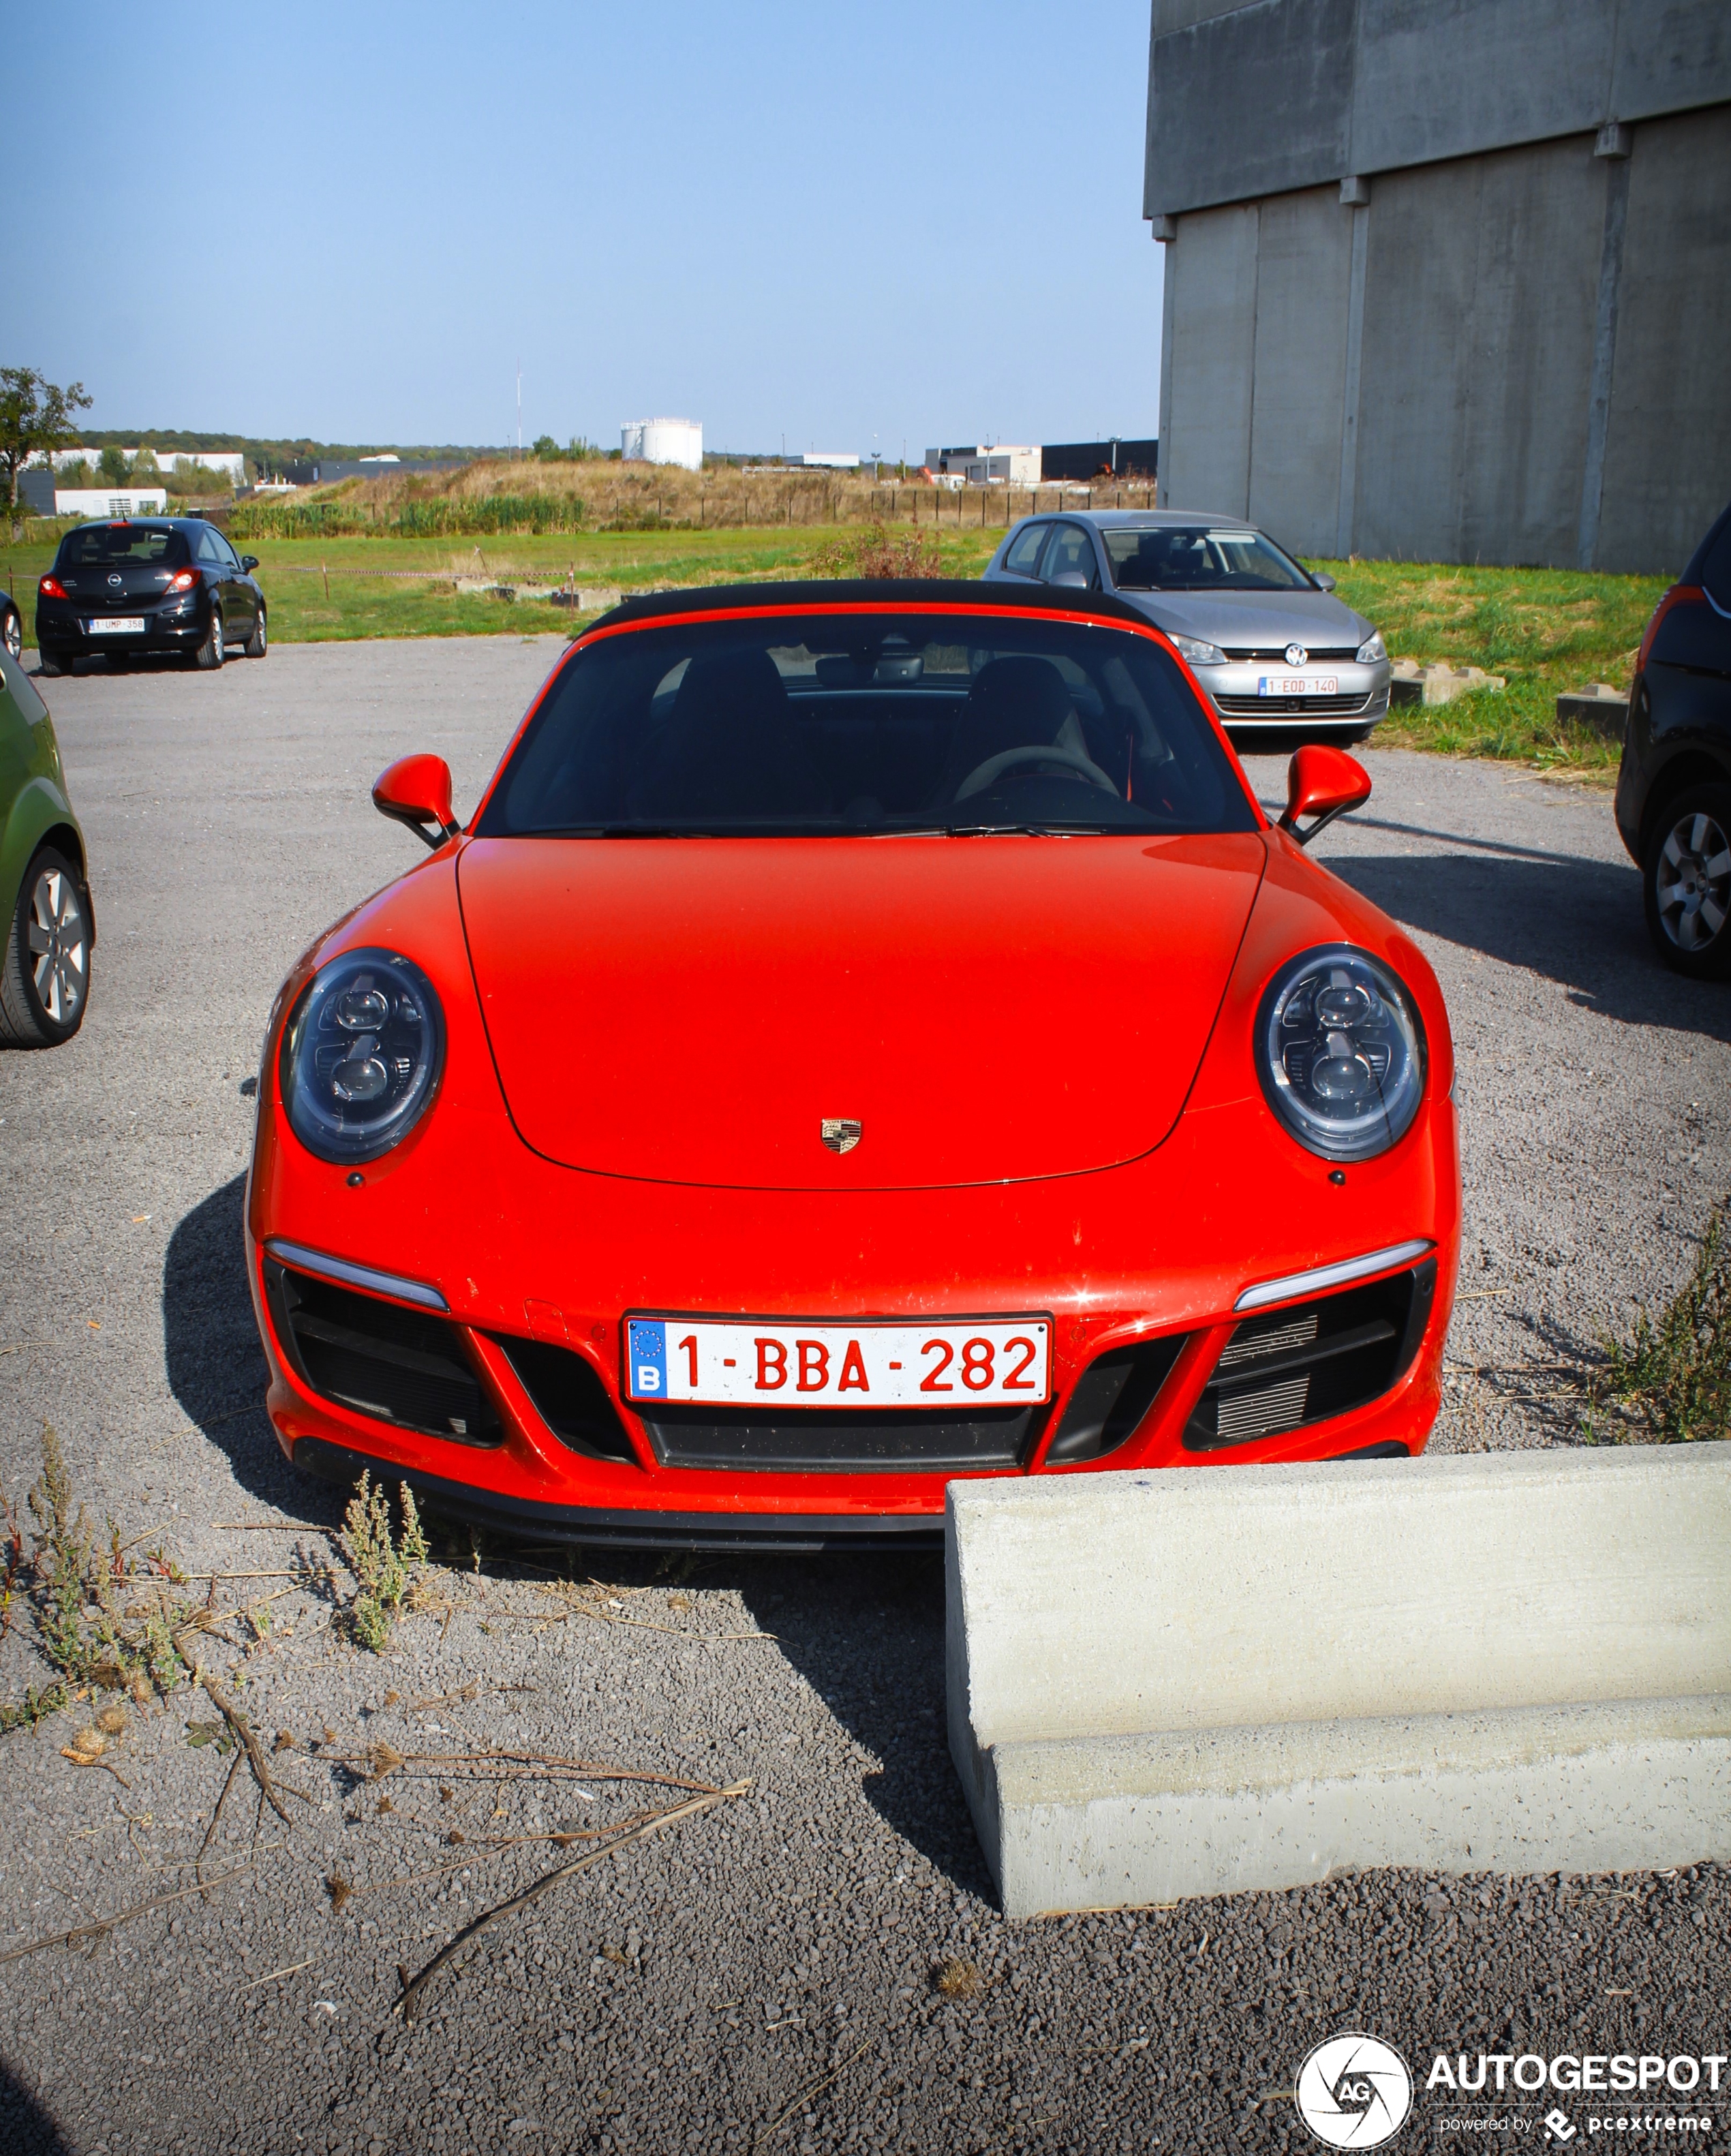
x,y
1373,648
1340,1051
361,1055
1198,652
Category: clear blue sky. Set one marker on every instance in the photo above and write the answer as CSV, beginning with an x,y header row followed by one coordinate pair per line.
x,y
918,217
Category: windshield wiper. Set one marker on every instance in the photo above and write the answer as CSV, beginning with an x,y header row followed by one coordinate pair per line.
x,y
1023,830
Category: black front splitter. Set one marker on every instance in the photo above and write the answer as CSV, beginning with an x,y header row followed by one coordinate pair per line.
x,y
530,1521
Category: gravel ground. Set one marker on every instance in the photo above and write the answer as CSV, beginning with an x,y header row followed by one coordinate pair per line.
x,y
763,1974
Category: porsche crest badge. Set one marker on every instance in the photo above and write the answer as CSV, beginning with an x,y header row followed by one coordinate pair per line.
x,y
840,1134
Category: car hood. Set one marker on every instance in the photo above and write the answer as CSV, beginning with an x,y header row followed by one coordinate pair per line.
x,y
987,1010
1258,620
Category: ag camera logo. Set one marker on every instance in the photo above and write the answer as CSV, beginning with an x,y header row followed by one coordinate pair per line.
x,y
1354,2092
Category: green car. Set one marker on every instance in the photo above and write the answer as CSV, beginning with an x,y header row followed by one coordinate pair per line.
x,y
49,921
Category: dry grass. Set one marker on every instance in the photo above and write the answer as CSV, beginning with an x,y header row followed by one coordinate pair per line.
x,y
597,494
1671,1380
953,1979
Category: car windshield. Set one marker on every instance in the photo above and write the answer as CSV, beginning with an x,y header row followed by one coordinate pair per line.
x,y
868,723
94,546
1199,557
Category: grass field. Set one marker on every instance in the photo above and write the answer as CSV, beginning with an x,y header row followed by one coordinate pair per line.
x,y
302,610
1546,630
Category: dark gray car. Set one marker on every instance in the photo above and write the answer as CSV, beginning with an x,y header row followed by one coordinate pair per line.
x,y
149,586
1283,659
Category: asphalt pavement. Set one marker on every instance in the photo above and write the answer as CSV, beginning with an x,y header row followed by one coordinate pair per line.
x,y
765,1973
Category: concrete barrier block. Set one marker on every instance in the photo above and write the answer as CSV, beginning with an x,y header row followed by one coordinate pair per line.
x,y
1201,1681
1435,681
1599,706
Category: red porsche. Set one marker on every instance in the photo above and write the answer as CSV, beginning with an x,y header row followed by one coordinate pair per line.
x,y
868,1034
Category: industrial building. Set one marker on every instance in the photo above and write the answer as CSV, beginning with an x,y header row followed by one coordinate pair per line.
x,y
983,464
662,442
1116,458
1004,463
1446,279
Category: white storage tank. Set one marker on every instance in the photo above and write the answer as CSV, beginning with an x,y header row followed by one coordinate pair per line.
x,y
663,442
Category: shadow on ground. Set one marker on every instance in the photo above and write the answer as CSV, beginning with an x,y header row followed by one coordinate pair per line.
x,y
216,1367
866,1633
1576,921
25,2127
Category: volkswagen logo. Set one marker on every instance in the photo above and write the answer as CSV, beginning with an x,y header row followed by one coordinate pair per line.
x,y
1296,654
840,1134
114,580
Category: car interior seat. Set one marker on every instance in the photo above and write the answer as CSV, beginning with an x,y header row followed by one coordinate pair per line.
x,y
729,748
1020,702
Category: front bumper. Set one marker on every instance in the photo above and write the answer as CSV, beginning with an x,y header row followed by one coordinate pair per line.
x,y
1242,695
1146,1260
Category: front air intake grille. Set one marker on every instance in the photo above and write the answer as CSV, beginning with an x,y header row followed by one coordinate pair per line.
x,y
400,1366
1111,1396
1283,707
1342,654
568,1396
1298,1367
815,1442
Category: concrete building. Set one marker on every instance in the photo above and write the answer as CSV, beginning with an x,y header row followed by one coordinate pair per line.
x,y
1446,279
983,464
663,442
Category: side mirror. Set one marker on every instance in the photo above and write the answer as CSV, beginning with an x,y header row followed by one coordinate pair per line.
x,y
1324,783
416,790
1323,580
248,562
1071,580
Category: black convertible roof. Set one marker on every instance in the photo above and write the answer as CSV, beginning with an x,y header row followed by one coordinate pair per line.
x,y
854,591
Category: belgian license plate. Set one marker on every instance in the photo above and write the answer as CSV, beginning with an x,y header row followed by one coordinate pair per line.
x,y
958,1363
120,624
1298,684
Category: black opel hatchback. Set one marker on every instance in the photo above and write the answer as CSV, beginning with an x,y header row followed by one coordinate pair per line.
x,y
1674,788
150,585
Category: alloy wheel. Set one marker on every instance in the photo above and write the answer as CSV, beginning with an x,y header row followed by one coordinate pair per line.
x,y
1693,882
58,938
15,634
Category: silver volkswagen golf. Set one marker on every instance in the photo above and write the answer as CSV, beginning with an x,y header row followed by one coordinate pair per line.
x,y
1279,654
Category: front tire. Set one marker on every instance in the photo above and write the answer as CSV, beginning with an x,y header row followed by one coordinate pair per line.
x,y
45,975
259,643
210,655
13,635
1686,881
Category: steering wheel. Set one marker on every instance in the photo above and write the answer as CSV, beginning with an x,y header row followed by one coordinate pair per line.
x,y
995,766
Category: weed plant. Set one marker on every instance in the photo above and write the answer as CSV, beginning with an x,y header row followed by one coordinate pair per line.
x,y
74,1582
1671,1380
876,552
387,1567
